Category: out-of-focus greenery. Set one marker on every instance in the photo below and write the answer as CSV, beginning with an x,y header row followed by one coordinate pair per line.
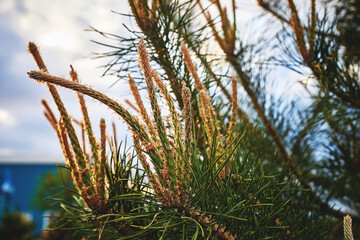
x,y
52,187
56,184
349,26
16,226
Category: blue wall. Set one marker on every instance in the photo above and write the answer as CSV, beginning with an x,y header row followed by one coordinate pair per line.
x,y
24,177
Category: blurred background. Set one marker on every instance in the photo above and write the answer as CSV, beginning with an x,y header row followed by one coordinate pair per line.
x,y
29,148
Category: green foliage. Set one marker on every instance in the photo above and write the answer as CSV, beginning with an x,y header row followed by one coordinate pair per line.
x,y
54,184
16,226
264,167
348,26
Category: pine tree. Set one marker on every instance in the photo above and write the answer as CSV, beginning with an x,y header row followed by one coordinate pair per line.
x,y
220,165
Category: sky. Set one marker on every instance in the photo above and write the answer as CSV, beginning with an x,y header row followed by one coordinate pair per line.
x,y
58,28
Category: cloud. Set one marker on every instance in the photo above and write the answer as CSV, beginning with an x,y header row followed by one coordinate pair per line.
x,y
4,152
57,27
6,118
57,39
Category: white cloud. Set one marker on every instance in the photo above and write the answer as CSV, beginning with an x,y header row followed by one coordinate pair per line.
x,y
4,152
57,39
57,27
6,6
6,118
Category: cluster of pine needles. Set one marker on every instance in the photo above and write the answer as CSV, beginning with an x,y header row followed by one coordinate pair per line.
x,y
194,180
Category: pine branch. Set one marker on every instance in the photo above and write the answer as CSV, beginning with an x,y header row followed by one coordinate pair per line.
x,y
348,228
145,18
81,161
328,85
169,187
266,6
245,81
241,113
47,78
200,166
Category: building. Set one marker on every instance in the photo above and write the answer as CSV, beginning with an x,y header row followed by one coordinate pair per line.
x,y
19,177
